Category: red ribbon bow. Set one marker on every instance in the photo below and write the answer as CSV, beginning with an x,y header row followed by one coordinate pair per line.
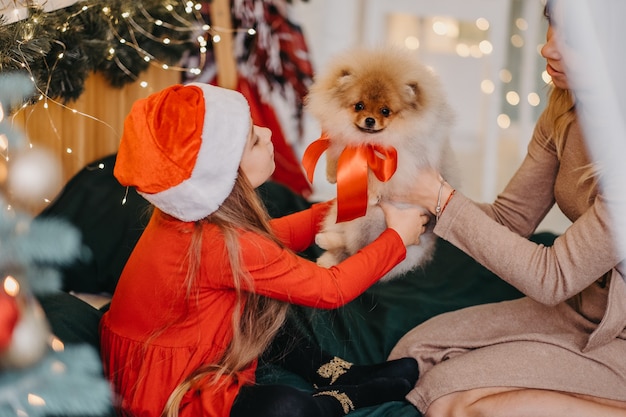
x,y
352,170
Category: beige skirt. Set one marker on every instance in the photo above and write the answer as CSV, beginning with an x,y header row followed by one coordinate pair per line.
x,y
518,343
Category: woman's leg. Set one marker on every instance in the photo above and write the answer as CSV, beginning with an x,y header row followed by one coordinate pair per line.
x,y
516,402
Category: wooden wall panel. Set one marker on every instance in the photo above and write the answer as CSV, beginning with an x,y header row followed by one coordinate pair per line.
x,y
89,128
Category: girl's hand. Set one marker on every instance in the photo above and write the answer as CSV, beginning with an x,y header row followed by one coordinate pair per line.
x,y
409,222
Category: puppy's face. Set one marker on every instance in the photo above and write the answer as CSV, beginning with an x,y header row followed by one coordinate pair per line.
x,y
372,114
373,101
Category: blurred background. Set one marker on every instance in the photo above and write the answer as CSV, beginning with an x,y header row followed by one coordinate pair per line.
x,y
487,55
100,57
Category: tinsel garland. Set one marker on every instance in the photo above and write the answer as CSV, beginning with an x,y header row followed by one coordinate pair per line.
x,y
119,39
116,38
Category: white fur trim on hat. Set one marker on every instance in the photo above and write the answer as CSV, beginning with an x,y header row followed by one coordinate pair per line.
x,y
225,131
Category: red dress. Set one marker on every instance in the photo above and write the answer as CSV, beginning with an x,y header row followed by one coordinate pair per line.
x,y
145,356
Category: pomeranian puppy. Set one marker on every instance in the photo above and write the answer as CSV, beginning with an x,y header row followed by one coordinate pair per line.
x,y
386,101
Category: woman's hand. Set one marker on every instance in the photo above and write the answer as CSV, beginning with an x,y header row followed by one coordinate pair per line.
x,y
409,222
429,190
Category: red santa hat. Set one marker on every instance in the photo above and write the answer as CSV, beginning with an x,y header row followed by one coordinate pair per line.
x,y
182,146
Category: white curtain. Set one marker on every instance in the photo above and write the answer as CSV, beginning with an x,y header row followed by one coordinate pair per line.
x,y
592,36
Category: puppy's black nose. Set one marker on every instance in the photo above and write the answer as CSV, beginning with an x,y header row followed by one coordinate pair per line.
x,y
370,122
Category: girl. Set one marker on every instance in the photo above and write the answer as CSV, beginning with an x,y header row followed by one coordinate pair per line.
x,y
559,351
208,284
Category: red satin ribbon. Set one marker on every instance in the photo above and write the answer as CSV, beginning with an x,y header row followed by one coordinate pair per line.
x,y
352,169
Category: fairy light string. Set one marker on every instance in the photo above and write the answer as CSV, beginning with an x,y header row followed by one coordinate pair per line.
x,y
158,32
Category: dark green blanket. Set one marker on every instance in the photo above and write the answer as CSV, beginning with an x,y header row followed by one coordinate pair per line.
x,y
364,331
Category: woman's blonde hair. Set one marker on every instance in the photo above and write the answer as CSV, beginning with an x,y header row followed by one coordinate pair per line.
x,y
561,113
255,325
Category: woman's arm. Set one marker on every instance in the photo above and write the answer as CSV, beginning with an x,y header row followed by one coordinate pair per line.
x,y
581,255
496,235
526,199
529,195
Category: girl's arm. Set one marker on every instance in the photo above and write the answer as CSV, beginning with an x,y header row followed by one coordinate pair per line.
x,y
280,274
297,231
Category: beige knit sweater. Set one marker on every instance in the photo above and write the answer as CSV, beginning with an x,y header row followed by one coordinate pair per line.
x,y
569,333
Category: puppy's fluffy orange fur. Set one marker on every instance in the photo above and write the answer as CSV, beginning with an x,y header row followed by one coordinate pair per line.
x,y
385,97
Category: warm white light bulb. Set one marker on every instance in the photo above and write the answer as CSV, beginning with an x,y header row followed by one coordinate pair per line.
x,y
504,121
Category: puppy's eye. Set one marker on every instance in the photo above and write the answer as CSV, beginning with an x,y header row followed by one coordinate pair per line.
x,y
385,112
359,106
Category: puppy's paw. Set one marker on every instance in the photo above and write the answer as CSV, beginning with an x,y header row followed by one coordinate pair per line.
x,y
330,240
327,259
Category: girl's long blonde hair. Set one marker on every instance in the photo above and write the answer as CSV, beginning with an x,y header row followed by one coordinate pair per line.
x,y
254,325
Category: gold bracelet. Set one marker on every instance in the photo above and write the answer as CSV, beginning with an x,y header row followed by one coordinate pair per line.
x,y
438,207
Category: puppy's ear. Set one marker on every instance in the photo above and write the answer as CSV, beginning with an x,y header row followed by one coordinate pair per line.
x,y
414,95
344,79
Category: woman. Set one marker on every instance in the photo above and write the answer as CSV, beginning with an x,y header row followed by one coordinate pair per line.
x,y
559,351
208,284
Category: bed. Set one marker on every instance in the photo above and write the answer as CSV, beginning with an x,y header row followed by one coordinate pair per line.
x,y
363,331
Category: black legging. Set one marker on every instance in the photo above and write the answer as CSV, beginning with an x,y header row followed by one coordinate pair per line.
x,y
282,401
295,352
